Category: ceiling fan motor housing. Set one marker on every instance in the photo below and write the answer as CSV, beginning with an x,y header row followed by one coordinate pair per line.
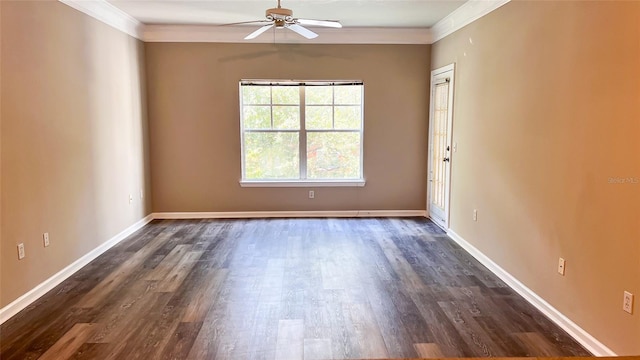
x,y
279,14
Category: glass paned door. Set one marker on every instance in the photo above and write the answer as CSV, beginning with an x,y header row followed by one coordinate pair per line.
x,y
440,145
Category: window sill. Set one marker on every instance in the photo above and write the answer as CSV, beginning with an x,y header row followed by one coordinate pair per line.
x,y
303,183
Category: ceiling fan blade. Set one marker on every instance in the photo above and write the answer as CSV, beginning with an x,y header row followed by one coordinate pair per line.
x,y
302,31
256,33
245,22
326,23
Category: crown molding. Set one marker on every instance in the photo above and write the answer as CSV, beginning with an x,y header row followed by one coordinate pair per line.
x,y
469,12
103,11
236,34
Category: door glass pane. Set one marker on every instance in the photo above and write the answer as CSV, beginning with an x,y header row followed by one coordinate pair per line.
x,y
333,155
440,128
271,155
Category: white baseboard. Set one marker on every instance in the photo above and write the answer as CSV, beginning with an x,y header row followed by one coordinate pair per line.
x,y
580,335
288,214
34,294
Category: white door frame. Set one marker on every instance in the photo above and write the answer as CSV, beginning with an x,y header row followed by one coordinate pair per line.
x,y
437,76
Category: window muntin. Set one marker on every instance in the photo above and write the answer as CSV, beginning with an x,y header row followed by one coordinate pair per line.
x,y
280,121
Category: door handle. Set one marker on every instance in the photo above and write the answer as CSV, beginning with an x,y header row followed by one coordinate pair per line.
x,y
445,159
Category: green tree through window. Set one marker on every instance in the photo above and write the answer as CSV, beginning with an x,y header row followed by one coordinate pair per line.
x,y
309,131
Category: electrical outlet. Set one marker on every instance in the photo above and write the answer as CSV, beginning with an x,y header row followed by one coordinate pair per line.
x,y
475,215
141,194
627,304
130,199
312,194
21,254
45,239
561,266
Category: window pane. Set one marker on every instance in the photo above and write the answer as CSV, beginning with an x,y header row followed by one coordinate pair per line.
x,y
256,95
286,117
271,155
318,95
333,155
256,117
347,117
286,95
348,94
318,117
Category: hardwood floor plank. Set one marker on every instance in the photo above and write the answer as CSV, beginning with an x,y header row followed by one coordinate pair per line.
x,y
332,275
46,331
235,345
410,315
124,314
143,237
316,318
428,350
168,263
70,342
91,351
295,282
317,349
535,343
123,272
271,285
152,335
204,296
174,278
480,344
181,340
399,264
367,333
207,342
265,328
342,331
448,338
290,342
541,324
395,335
500,336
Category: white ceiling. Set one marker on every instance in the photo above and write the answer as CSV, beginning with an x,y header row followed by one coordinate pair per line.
x,y
351,13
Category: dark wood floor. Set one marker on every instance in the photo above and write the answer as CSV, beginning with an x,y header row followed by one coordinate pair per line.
x,y
283,289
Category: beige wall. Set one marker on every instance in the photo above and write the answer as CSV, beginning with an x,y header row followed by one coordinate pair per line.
x,y
547,109
195,135
73,138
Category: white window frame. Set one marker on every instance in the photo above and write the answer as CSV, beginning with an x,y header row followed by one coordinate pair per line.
x,y
302,133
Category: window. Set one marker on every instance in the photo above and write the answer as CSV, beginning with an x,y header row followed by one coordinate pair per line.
x,y
301,133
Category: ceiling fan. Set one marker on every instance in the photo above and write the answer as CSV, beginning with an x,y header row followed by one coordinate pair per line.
x,y
283,18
